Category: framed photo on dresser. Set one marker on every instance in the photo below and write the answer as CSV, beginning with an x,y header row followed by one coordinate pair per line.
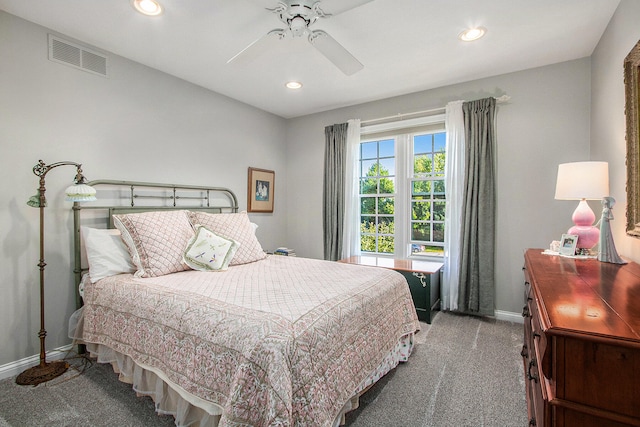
x,y
568,244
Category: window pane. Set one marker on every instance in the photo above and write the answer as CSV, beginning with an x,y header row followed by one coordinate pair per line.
x,y
438,164
421,211
369,150
386,206
422,165
387,186
367,243
386,225
369,186
420,231
438,187
387,148
421,188
369,168
386,244
439,142
427,250
422,144
387,167
367,224
368,206
438,232
438,211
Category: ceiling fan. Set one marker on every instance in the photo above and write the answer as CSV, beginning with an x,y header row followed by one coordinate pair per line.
x,y
299,16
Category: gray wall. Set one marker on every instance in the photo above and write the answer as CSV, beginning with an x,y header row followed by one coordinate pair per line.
x,y
545,123
607,115
137,124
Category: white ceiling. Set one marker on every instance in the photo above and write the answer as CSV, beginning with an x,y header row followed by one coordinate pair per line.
x,y
405,45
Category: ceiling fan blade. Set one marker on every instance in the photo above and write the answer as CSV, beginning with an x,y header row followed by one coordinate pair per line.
x,y
257,45
335,52
336,7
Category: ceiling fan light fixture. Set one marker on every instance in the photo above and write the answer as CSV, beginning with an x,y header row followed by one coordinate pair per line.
x,y
298,26
148,7
293,85
472,34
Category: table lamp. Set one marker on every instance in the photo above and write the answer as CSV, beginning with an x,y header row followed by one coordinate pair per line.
x,y
583,181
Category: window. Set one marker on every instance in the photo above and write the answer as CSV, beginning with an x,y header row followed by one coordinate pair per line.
x,y
428,201
377,196
402,197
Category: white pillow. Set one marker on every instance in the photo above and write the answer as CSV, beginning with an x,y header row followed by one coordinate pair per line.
x,y
207,251
107,254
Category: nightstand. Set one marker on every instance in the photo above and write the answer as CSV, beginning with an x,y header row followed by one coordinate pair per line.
x,y
423,278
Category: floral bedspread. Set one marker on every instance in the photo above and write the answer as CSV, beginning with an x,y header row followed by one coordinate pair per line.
x,y
280,342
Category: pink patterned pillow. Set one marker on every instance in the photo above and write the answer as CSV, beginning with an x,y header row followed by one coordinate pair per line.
x,y
156,240
234,226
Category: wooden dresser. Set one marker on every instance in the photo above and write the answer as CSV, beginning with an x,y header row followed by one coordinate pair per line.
x,y
581,349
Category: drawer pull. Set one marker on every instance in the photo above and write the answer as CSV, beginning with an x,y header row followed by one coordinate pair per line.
x,y
532,364
525,311
536,335
525,351
532,422
422,278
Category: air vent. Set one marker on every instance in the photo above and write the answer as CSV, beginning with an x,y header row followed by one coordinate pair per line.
x,y
74,55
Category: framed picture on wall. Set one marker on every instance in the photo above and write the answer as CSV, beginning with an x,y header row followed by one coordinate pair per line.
x,y
568,244
260,190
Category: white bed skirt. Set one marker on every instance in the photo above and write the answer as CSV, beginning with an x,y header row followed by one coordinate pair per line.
x,y
190,410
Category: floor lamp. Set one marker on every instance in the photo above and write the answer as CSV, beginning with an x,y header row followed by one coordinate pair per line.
x,y
78,192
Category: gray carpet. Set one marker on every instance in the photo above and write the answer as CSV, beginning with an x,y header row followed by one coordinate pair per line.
x,y
464,371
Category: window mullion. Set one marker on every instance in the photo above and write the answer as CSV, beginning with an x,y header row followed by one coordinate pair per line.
x,y
403,148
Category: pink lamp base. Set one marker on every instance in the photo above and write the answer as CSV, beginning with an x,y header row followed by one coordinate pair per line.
x,y
588,236
583,217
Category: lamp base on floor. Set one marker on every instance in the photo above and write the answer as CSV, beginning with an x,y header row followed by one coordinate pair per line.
x,y
42,373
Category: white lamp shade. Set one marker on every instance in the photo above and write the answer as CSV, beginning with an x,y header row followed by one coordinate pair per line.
x,y
582,180
80,193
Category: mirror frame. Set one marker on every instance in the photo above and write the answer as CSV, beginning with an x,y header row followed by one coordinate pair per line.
x,y
631,110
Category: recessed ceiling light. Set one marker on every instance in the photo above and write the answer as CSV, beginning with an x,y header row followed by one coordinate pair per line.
x,y
472,34
293,85
148,7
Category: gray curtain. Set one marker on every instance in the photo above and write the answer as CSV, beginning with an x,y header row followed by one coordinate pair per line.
x,y
476,293
335,164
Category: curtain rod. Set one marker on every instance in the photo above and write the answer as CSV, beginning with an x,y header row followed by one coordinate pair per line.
x,y
400,116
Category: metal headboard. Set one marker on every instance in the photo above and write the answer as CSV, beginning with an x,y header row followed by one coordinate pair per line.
x,y
119,197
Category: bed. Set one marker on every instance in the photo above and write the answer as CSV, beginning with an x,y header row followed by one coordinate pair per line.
x,y
184,303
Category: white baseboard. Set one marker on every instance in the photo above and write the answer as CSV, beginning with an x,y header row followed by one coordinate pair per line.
x,y
509,316
14,368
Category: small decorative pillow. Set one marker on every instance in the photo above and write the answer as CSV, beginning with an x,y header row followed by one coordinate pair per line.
x,y
207,251
107,254
156,240
233,226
